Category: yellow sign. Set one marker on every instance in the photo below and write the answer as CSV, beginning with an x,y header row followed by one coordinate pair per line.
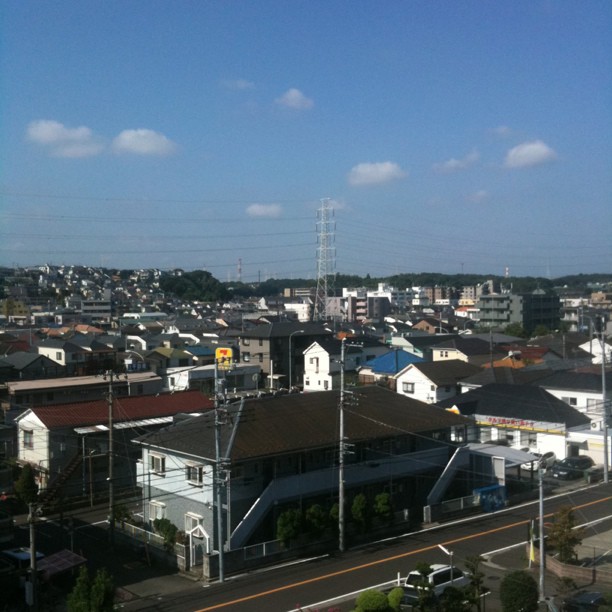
x,y
224,358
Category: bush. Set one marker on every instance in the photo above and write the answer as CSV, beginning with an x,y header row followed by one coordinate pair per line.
x,y
289,526
394,598
167,530
518,592
372,601
26,488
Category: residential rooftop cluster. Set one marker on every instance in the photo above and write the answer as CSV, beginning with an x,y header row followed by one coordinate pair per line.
x,y
232,406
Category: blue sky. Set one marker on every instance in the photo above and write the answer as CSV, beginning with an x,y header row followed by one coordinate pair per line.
x,y
449,136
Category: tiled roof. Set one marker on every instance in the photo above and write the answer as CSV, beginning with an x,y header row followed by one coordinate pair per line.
x,y
516,402
282,330
447,372
303,421
576,381
133,408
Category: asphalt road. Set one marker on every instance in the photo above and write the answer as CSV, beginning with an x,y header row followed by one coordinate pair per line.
x,y
316,584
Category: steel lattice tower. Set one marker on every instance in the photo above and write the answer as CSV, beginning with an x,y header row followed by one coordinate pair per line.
x,y
325,259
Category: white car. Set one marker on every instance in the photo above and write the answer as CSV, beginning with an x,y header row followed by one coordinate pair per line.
x,y
544,461
438,580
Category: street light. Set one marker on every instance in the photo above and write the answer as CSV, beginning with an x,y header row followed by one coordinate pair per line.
x,y
298,331
450,555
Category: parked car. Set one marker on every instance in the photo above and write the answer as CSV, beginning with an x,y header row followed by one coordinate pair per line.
x,y
440,578
545,461
584,601
571,468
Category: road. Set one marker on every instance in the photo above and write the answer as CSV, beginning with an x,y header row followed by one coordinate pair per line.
x,y
315,584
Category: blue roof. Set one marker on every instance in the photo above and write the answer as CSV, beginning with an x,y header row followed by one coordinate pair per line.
x,y
393,362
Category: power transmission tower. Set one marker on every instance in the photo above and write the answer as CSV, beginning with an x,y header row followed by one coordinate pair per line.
x,y
325,259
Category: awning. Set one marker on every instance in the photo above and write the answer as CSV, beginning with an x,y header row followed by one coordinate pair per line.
x,y
58,563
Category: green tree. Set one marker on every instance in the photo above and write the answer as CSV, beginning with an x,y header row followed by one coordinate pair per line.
x,y
563,535
91,596
360,511
289,525
316,519
167,530
515,329
476,575
427,598
25,486
518,592
394,597
541,330
102,592
372,601
383,508
78,598
454,599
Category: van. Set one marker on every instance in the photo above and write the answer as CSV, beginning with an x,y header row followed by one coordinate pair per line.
x,y
438,580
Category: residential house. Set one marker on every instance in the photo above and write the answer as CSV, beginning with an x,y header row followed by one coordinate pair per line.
x,y
523,417
386,366
582,390
27,366
67,444
24,394
431,382
80,355
323,363
281,451
469,349
278,349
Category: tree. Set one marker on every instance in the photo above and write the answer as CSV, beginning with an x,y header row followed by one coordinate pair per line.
x,y
394,597
88,596
472,565
167,530
289,525
383,507
25,486
515,329
518,592
563,536
372,601
317,519
360,511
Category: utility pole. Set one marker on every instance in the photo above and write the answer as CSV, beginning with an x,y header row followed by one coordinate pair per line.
x,y
542,542
111,463
341,452
219,476
32,586
604,399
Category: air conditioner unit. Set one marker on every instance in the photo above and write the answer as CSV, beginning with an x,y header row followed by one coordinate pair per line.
x,y
596,425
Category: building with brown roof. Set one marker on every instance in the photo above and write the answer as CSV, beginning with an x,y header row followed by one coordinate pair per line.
x,y
68,444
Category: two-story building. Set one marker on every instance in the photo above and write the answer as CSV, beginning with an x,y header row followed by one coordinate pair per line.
x,y
275,453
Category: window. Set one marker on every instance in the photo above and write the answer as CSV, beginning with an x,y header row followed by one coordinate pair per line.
x,y
157,464
260,342
326,385
246,356
58,356
157,510
192,521
246,341
194,474
408,387
572,401
28,438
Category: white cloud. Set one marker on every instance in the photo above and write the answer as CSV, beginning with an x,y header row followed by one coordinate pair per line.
x,y
375,173
294,98
453,165
272,211
529,154
503,131
478,196
62,141
238,84
143,142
